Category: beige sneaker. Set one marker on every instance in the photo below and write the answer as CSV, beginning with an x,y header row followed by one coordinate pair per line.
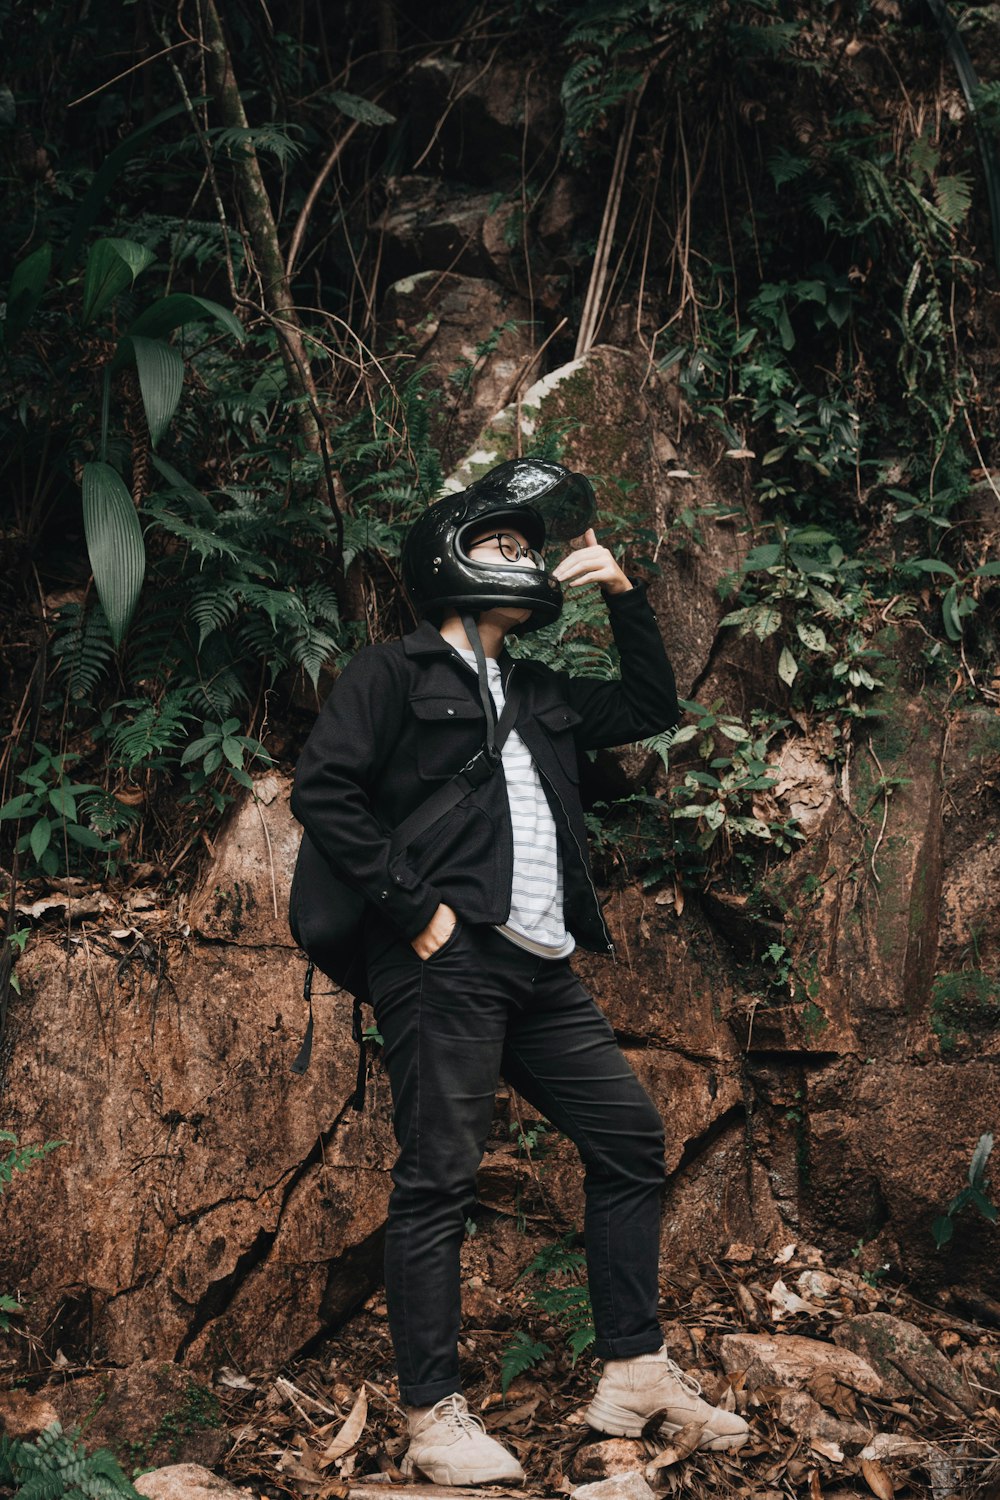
x,y
632,1390
448,1445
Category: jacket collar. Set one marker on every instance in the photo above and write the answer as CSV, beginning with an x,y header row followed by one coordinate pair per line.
x,y
427,640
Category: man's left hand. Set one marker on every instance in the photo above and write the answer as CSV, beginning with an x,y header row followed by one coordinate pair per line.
x,y
589,562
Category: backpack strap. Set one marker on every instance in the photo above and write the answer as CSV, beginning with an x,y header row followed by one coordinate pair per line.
x,y
473,774
475,771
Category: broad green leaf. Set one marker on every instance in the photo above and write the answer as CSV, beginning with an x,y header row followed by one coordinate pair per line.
x,y
112,265
680,738
980,1157
942,1230
181,308
25,291
63,801
766,621
114,544
929,565
812,637
86,837
18,806
715,814
762,557
40,837
198,748
986,1208
232,750
788,667
213,760
202,507
161,376
951,614
357,108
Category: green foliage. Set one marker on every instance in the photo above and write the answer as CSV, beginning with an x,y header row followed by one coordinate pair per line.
x,y
56,1466
967,1001
519,1355
220,747
975,1195
57,810
17,941
719,798
561,1296
803,581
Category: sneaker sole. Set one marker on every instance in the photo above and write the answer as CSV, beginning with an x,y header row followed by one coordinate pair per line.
x,y
619,1421
445,1474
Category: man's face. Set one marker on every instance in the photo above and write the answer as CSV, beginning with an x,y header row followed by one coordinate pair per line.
x,y
493,544
499,545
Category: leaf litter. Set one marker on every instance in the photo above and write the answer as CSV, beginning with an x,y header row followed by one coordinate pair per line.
x,y
330,1426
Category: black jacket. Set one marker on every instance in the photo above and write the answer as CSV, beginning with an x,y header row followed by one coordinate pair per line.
x,y
405,717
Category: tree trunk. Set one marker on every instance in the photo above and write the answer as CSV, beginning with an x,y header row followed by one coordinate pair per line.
x,y
276,292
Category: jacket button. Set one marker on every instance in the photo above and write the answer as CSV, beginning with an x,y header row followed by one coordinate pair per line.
x,y
383,895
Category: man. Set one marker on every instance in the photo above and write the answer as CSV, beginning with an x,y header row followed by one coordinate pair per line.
x,y
470,929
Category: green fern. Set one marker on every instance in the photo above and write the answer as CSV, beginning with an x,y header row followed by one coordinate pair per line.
x,y
83,650
56,1466
153,729
563,1298
19,1159
520,1355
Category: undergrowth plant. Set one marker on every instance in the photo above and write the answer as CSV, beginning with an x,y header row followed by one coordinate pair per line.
x,y
974,1195
560,1295
56,1466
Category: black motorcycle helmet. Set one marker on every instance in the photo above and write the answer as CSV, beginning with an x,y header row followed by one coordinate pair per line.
x,y
542,500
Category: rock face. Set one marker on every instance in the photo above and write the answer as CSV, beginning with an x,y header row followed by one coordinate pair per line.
x,y
206,1199
209,1205
471,337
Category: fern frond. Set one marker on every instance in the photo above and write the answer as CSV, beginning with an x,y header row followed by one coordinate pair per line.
x,y
213,607
154,729
521,1354
83,649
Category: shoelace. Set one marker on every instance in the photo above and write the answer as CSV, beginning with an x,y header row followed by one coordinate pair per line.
x,y
454,1409
687,1380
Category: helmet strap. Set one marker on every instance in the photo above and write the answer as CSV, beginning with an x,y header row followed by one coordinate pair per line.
x,y
472,632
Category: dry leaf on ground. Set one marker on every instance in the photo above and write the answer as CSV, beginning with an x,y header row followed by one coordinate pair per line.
x,y
351,1431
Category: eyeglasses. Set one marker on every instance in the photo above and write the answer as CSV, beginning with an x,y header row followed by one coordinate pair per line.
x,y
510,548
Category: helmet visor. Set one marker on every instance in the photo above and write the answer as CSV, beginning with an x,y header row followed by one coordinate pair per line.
x,y
568,508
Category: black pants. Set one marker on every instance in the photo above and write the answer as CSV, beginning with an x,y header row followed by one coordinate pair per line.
x,y
452,1024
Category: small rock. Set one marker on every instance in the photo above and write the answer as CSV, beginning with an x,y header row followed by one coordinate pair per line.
x,y
806,1418
907,1362
888,1446
25,1416
818,1285
619,1487
188,1482
789,1359
597,1461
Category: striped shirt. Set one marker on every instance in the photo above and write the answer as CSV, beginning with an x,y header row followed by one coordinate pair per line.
x,y
536,899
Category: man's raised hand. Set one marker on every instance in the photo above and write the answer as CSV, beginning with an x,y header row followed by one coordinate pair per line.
x,y
589,562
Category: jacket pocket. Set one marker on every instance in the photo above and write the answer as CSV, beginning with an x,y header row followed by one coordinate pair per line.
x,y
449,732
559,722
